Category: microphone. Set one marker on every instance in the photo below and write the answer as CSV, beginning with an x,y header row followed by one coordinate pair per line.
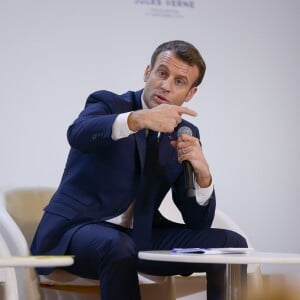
x,y
187,167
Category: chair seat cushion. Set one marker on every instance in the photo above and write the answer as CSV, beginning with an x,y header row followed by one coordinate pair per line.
x,y
61,277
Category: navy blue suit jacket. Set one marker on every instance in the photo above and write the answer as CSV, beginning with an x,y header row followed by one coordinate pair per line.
x,y
102,176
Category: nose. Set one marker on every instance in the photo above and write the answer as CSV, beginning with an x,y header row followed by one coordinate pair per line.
x,y
166,84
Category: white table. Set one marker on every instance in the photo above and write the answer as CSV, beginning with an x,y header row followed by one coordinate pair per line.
x,y
233,263
36,261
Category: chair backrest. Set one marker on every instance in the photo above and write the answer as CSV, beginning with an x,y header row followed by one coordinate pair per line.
x,y
26,208
26,205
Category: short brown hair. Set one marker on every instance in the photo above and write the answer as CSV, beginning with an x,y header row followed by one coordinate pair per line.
x,y
184,51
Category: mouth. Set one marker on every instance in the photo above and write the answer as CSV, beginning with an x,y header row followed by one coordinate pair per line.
x,y
160,99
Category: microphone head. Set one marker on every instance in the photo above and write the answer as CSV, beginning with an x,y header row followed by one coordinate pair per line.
x,y
184,129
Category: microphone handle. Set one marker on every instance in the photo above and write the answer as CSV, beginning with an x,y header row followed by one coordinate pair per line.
x,y
188,178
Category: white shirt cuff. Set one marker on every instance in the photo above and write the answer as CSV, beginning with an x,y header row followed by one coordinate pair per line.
x,y
203,194
120,127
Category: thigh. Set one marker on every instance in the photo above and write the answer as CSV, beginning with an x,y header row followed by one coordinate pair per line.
x,y
168,237
96,246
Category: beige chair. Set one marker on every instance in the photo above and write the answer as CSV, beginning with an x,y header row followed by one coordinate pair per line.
x,y
20,213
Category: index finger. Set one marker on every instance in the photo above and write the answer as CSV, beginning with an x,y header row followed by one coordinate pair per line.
x,y
187,111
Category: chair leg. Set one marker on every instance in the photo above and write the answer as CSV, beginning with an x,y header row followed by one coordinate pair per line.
x,y
171,286
165,290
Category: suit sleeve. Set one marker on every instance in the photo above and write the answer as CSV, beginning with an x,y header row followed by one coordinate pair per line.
x,y
93,127
194,215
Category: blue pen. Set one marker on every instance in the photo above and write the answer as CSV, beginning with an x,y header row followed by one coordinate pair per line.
x,y
188,250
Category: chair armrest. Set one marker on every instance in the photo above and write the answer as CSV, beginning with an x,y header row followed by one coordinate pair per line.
x,y
11,232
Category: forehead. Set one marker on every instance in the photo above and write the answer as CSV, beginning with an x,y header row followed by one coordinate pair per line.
x,y
169,60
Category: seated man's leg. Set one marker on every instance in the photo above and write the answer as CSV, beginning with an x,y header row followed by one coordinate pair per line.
x,y
166,238
106,252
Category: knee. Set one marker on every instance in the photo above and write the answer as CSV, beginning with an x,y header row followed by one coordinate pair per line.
x,y
120,247
236,240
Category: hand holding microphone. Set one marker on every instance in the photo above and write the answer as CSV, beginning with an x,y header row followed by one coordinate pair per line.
x,y
195,166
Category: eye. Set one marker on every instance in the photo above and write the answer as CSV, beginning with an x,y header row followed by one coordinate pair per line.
x,y
179,81
161,73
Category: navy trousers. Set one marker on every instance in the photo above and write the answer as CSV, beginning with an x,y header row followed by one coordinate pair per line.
x,y
107,252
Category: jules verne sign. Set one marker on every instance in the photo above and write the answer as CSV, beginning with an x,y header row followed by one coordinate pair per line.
x,y
166,8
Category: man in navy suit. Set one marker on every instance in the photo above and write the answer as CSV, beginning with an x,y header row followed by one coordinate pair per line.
x,y
106,206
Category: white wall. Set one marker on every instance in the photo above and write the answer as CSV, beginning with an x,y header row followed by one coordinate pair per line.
x,y
54,53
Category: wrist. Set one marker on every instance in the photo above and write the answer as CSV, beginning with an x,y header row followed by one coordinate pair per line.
x,y
204,181
133,121
138,119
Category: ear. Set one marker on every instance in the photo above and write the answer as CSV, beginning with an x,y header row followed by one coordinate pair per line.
x,y
147,73
191,93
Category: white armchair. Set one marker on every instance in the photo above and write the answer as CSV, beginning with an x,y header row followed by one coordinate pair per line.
x,y
20,213
8,277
